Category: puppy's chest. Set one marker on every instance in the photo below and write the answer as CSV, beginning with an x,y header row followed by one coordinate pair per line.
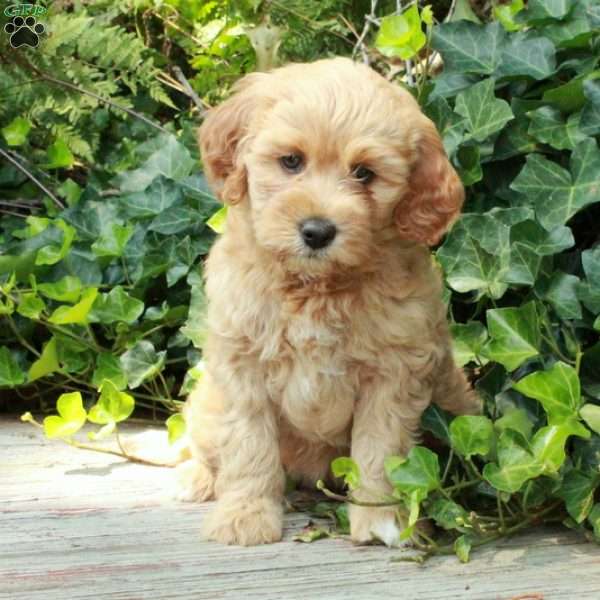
x,y
313,379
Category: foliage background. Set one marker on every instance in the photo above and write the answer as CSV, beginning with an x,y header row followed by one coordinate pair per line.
x,y
105,218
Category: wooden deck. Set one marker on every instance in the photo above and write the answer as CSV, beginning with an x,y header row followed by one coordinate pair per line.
x,y
77,524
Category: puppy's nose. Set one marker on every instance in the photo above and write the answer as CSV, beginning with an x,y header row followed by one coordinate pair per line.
x,y
317,233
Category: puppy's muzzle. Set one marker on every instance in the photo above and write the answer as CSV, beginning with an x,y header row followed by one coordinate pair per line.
x,y
317,233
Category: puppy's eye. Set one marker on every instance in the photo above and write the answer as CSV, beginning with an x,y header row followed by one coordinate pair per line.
x,y
363,174
292,163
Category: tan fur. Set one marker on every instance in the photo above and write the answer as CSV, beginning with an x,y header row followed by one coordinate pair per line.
x,y
314,356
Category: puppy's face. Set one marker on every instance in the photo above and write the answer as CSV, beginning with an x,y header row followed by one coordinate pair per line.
x,y
333,161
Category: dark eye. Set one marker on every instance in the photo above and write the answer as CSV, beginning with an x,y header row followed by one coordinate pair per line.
x,y
292,162
363,174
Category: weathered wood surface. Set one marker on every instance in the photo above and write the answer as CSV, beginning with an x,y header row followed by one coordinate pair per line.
x,y
76,524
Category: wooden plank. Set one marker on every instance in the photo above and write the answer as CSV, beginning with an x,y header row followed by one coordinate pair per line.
x,y
77,525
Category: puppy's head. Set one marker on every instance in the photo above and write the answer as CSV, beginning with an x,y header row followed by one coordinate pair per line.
x,y
333,160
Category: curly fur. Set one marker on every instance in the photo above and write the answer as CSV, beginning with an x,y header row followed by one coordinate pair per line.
x,y
313,355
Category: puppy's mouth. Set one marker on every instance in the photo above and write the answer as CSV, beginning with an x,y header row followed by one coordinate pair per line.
x,y
314,254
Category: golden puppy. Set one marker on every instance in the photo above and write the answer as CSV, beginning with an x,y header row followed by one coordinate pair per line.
x,y
327,333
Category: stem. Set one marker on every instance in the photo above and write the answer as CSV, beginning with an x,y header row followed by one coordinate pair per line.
x,y
189,90
351,500
20,338
460,486
33,178
78,338
578,358
500,513
447,469
123,454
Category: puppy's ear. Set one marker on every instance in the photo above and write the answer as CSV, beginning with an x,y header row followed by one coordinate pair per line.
x,y
222,137
435,194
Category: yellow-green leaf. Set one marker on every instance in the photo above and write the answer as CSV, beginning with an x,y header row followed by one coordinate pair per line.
x,y
77,313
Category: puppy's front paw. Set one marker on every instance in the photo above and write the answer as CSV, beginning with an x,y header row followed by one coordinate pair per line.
x,y
195,482
369,523
245,523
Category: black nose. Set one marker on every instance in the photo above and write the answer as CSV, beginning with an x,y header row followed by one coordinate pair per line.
x,y
317,233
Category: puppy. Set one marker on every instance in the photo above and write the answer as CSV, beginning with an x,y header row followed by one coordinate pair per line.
x,y
327,336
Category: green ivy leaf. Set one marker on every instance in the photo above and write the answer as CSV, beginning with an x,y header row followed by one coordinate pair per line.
x,y
52,253
550,127
561,292
559,194
484,113
113,406
196,327
11,374
514,333
568,97
449,125
142,362
192,377
15,133
516,464
448,514
588,291
462,548
78,313
71,417
527,55
174,220
468,340
113,240
171,160
419,471
590,113
30,305
505,13
467,257
469,165
557,389
548,444
115,306
517,420
435,420
348,469
594,520
46,364
401,35
542,10
70,191
108,367
66,289
59,156
468,47
155,200
175,427
470,434
577,491
218,220
590,413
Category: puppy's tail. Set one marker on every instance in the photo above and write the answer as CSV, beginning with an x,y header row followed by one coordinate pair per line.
x,y
153,447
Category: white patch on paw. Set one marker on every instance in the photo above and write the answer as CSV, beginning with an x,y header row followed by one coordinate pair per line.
x,y
387,532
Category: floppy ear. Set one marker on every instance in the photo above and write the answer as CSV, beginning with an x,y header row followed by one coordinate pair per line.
x,y
222,137
435,194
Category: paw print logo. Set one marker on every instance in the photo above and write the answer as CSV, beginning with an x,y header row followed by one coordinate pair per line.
x,y
24,32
